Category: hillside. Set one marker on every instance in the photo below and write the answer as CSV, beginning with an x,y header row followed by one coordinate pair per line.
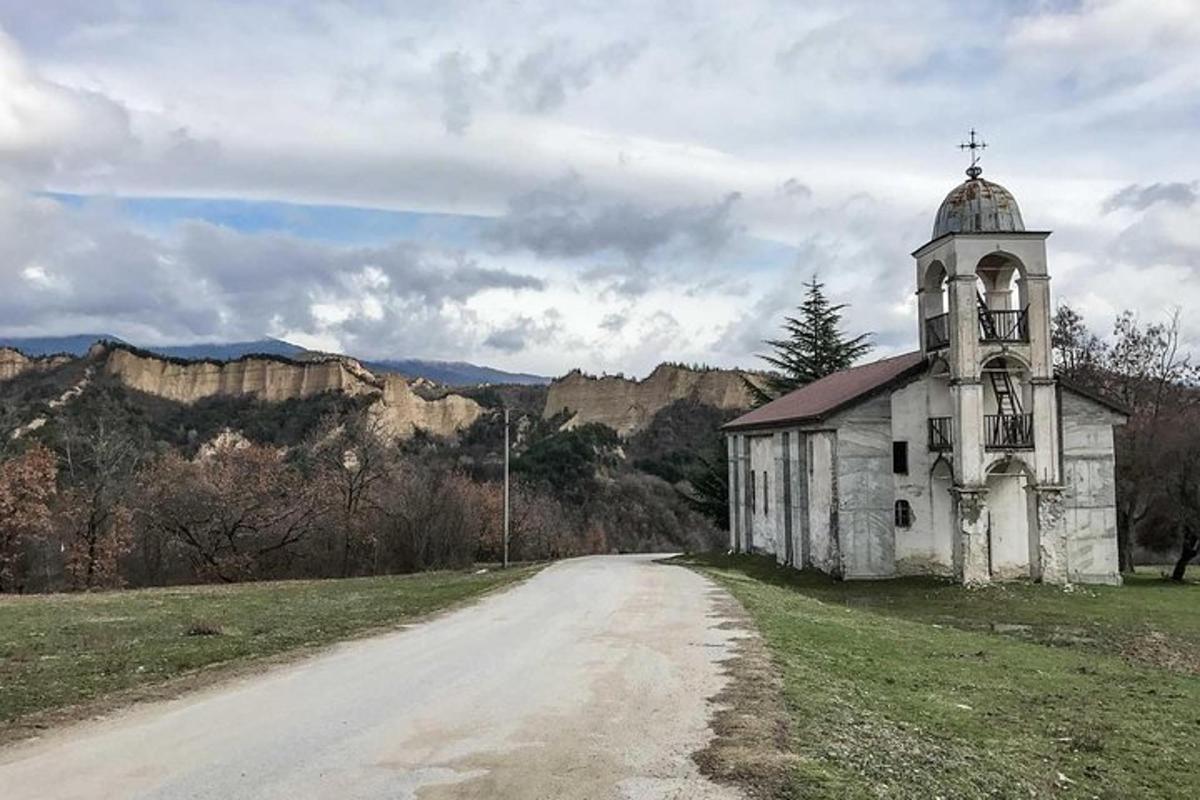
x,y
262,378
627,405
450,373
14,362
275,378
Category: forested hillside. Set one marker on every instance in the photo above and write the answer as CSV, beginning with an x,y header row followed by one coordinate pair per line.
x,y
139,471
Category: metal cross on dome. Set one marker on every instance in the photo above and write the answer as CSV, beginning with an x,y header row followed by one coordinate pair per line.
x,y
974,171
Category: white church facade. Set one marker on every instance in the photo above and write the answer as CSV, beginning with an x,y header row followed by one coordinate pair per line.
x,y
966,458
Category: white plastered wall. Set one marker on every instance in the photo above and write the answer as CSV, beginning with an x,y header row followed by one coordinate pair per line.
x,y
822,492
1089,499
927,547
765,512
865,490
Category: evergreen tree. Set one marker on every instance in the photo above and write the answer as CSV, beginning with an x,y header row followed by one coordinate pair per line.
x,y
814,347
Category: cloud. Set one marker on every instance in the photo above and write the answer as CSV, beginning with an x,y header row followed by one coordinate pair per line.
x,y
614,323
795,189
45,126
716,165
543,78
561,220
1139,198
68,269
523,332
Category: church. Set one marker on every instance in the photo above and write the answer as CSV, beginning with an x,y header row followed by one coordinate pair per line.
x,y
967,458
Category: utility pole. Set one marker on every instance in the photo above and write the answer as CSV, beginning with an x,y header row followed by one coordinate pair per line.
x,y
506,515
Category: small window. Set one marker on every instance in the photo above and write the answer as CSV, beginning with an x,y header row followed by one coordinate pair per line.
x,y
766,495
900,458
904,515
753,494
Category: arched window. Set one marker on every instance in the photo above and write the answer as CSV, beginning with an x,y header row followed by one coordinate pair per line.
x,y
904,514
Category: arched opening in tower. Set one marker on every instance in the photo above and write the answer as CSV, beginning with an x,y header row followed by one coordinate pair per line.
x,y
935,307
1010,545
1002,297
1007,404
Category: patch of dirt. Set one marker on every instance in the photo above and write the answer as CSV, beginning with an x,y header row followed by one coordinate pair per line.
x,y
751,746
1158,650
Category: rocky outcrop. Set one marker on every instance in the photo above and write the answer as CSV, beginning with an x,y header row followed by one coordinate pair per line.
x,y
402,410
399,410
628,405
268,378
14,362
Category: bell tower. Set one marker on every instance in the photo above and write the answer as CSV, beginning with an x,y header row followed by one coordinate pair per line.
x,y
984,314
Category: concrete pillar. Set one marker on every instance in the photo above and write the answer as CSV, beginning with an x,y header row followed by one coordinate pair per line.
x,y
1045,431
966,398
964,327
747,498
778,489
972,532
1051,535
1037,288
735,495
800,483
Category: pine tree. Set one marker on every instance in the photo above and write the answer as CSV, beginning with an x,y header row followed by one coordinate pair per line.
x,y
814,347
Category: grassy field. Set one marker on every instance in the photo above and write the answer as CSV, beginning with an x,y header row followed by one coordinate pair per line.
x,y
915,688
66,649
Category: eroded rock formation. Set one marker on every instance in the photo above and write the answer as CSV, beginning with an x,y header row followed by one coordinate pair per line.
x,y
627,405
400,410
14,362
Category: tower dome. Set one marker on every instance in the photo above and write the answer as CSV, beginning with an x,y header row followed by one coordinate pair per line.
x,y
977,206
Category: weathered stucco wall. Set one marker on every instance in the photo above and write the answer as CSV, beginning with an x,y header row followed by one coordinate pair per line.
x,y
927,547
1089,499
764,509
736,523
1011,543
822,507
627,405
865,489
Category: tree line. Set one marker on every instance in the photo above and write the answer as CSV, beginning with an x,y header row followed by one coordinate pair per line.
x,y
1146,368
94,500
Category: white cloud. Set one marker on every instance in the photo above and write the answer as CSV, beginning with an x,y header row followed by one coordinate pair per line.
x,y
47,127
833,122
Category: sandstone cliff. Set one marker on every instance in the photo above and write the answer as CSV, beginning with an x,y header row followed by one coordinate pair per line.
x,y
270,379
627,405
14,362
400,410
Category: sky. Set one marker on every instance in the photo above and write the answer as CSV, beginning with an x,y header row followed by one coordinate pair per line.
x,y
540,186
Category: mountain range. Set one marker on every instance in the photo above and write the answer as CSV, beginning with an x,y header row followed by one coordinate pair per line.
x,y
453,373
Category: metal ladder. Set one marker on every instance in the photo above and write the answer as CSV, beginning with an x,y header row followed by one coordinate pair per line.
x,y
1007,400
985,318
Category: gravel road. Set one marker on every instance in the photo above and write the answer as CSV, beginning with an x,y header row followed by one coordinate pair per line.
x,y
589,681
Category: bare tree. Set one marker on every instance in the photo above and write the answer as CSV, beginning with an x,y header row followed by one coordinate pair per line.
x,y
232,511
349,456
98,458
1146,370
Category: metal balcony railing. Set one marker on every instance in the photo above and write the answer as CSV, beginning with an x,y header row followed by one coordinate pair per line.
x,y
941,437
1004,326
937,332
1008,431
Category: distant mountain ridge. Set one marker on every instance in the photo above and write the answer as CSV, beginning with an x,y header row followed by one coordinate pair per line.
x,y
453,373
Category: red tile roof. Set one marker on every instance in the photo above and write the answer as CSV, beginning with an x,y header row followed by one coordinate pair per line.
x,y
831,393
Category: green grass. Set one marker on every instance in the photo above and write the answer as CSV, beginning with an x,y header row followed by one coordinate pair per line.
x,y
65,649
916,688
